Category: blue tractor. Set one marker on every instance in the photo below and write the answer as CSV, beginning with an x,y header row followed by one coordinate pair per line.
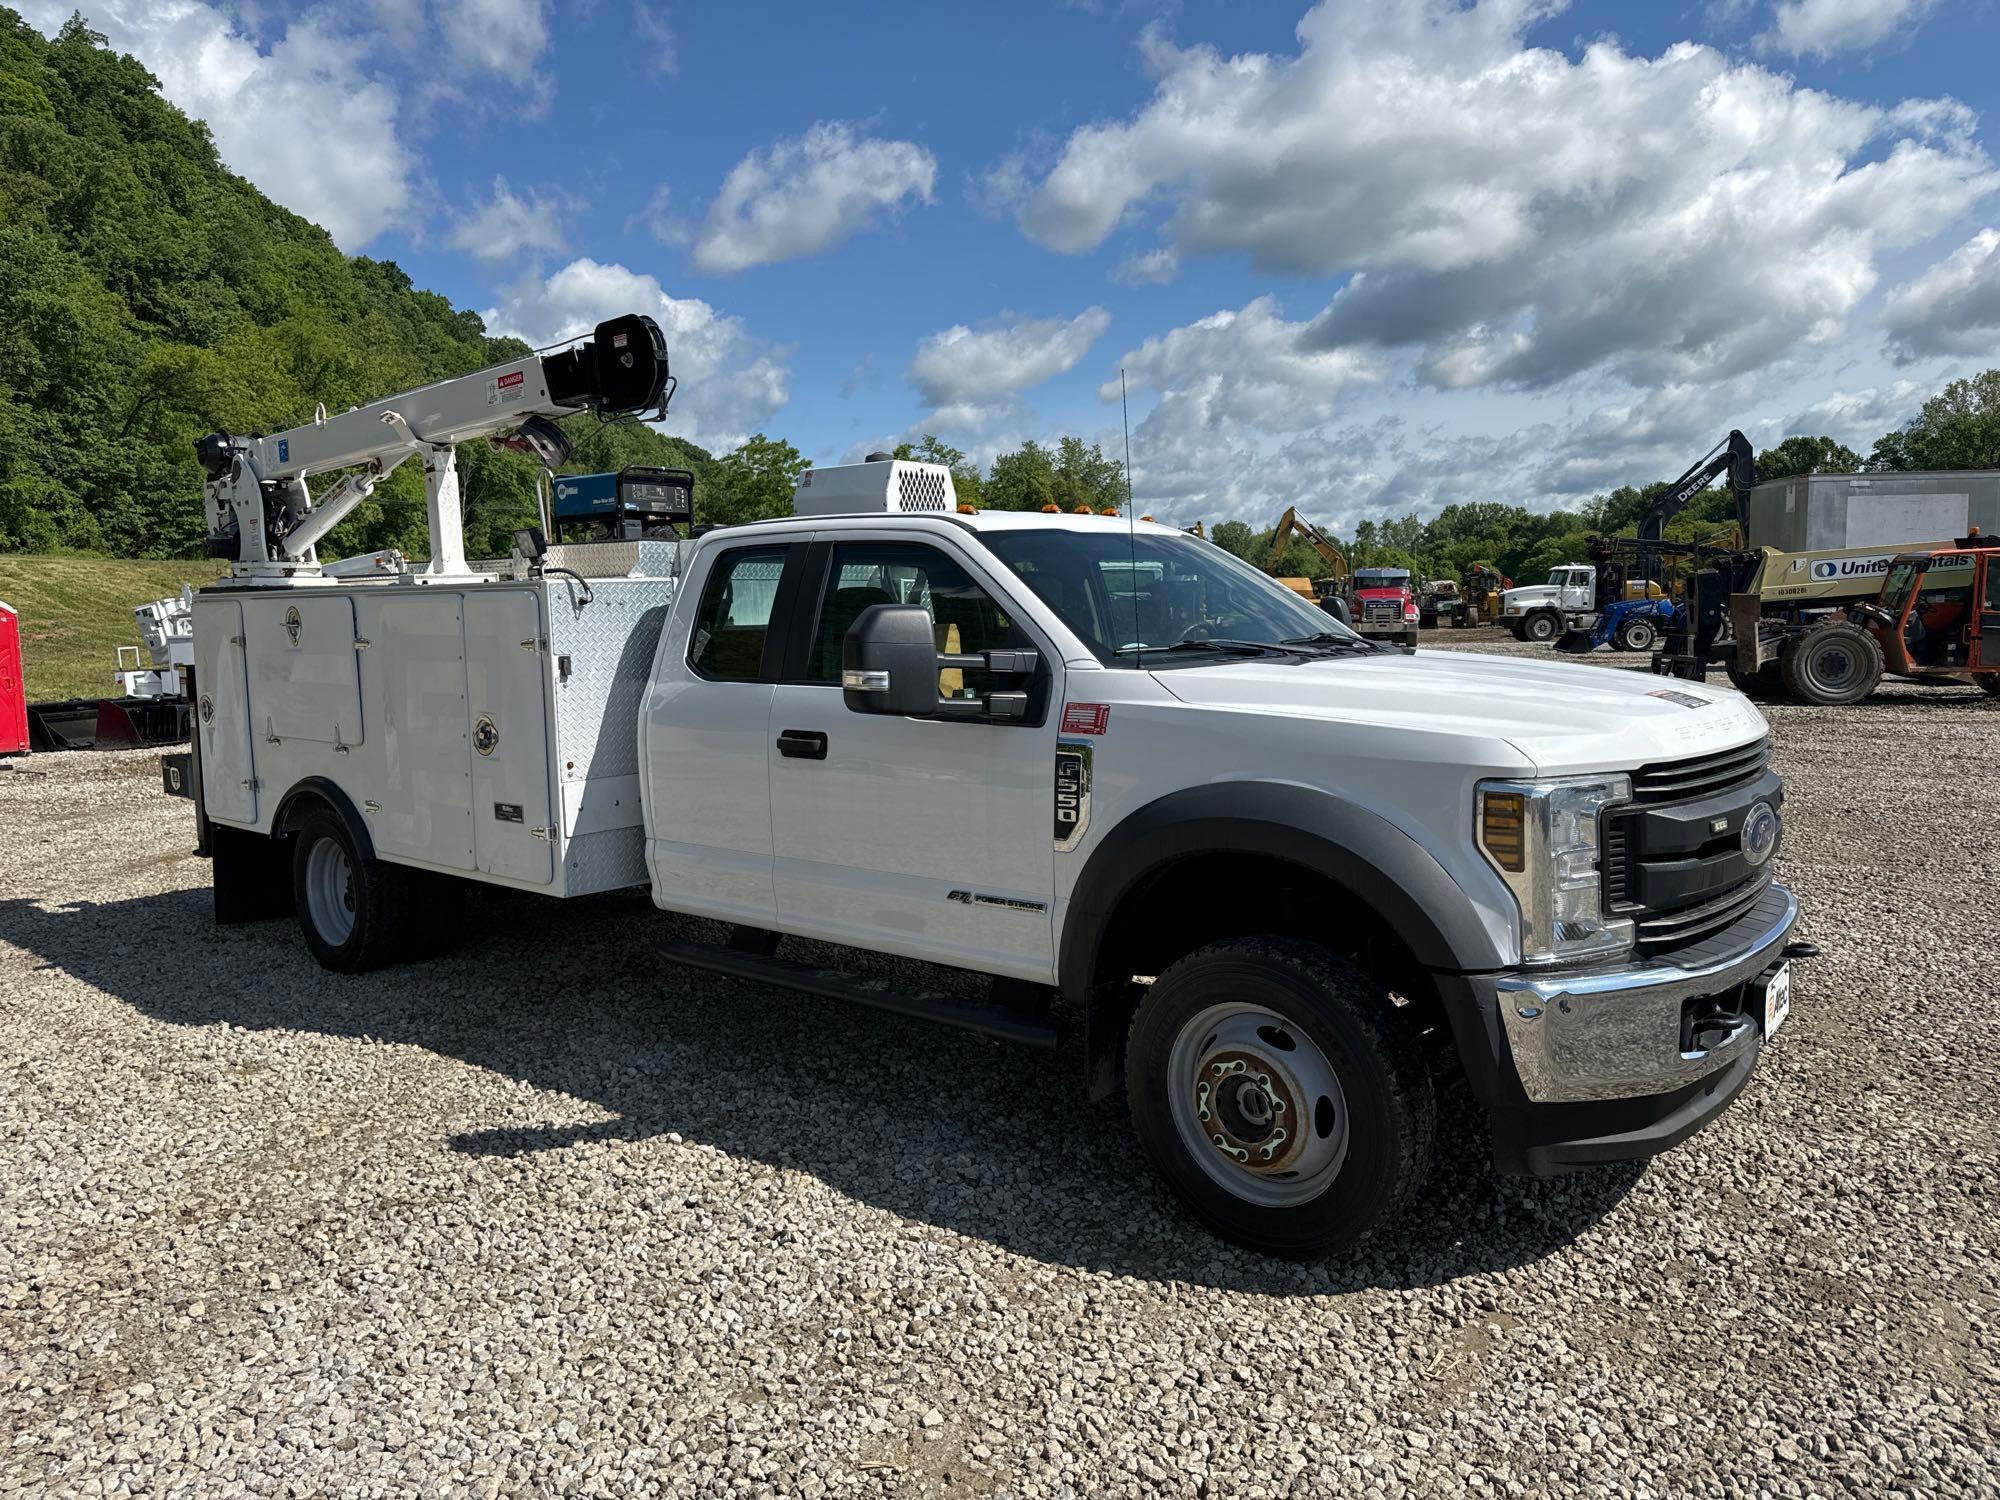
x,y
1628,625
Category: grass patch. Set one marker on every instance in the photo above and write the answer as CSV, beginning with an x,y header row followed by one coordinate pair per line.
x,y
77,611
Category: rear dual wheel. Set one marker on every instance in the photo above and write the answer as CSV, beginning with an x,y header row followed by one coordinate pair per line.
x,y
1281,1094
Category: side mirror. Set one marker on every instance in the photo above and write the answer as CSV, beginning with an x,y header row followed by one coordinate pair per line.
x,y
889,661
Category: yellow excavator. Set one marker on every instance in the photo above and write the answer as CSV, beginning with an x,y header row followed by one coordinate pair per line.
x,y
1330,593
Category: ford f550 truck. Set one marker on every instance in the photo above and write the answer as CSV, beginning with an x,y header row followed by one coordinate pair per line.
x,y
1279,883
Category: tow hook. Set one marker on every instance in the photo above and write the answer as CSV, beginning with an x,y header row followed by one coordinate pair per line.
x,y
1800,949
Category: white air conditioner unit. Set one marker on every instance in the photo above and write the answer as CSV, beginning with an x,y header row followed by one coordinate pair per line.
x,y
886,486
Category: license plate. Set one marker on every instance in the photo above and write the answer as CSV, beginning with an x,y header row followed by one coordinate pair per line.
x,y
1777,1000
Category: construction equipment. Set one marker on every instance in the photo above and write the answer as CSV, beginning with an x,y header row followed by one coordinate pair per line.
x,y
1820,546
1438,602
1935,617
1731,456
1624,625
1329,591
1482,588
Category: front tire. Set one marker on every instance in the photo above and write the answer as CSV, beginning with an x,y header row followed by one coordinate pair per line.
x,y
1281,1095
1541,629
1764,683
1636,635
1832,664
352,908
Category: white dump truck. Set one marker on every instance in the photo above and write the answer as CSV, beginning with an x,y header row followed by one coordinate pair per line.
x,y
1285,883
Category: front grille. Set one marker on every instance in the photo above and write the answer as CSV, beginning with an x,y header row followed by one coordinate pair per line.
x,y
1623,849
1703,776
1678,929
1381,609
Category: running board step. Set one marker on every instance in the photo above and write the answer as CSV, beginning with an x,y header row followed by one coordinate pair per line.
x,y
1022,1024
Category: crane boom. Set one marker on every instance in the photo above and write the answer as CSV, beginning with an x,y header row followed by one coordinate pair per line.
x,y
263,517
1328,550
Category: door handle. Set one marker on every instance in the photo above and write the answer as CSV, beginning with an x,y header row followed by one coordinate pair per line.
x,y
802,744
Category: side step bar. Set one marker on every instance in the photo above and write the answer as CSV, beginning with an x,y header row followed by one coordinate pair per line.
x,y
1023,1024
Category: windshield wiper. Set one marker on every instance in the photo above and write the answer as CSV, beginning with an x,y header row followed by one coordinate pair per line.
x,y
1222,648
1334,642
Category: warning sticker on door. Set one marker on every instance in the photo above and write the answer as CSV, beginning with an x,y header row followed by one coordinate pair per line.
x,y
1085,718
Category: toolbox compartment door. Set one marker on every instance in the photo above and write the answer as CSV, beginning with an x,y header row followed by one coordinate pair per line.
x,y
416,668
506,671
228,774
304,682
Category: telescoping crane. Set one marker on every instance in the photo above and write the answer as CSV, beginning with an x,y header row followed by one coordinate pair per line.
x,y
262,517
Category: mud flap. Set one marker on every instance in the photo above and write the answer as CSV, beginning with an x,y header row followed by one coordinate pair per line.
x,y
253,881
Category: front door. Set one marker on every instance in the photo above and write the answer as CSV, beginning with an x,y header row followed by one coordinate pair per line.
x,y
922,836
1986,637
705,737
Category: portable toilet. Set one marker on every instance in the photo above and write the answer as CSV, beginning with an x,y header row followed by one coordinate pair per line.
x,y
13,685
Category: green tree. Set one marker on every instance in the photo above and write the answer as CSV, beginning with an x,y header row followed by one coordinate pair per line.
x,y
965,477
1807,455
1237,537
1022,480
754,483
1958,428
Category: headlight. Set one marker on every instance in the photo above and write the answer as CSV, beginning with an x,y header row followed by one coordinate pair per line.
x,y
1542,838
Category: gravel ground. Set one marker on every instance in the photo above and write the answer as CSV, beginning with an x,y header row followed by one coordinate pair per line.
x,y
551,1215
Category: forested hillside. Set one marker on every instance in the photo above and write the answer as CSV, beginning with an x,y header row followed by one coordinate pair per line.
x,y
148,295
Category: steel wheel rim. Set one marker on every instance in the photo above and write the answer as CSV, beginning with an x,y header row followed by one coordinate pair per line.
x,y
1237,1076
330,892
1833,668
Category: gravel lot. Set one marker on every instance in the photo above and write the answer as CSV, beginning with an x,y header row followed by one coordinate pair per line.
x,y
550,1215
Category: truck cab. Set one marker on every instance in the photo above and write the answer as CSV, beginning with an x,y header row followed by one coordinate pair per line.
x,y
1539,611
1384,605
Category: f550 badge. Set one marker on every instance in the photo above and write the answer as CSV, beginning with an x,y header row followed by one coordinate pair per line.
x,y
1072,807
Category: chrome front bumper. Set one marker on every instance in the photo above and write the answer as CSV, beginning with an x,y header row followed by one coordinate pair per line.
x,y
1616,1034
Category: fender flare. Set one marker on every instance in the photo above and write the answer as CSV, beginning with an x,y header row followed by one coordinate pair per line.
x,y
293,806
1361,850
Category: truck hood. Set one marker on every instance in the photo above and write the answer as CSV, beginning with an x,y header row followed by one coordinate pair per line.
x,y
1529,592
1561,716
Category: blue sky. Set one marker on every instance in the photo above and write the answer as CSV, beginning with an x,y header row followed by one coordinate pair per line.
x,y
1363,257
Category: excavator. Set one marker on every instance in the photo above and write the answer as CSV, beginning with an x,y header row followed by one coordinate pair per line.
x,y
1330,592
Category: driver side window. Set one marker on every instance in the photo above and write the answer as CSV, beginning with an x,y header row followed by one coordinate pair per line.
x,y
964,617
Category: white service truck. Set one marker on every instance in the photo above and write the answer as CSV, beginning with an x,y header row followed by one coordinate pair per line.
x,y
1282,885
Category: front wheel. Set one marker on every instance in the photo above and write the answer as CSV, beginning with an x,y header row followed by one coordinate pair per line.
x,y
352,908
1281,1094
1636,635
1541,629
1831,664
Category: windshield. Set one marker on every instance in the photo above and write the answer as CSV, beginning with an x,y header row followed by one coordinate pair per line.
x,y
1133,598
1901,582
1560,578
1381,578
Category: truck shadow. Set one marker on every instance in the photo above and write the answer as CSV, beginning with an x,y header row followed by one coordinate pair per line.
x,y
924,1122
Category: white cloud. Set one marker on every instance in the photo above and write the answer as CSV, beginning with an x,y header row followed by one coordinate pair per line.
x,y
978,371
1857,418
502,38
1820,28
274,114
507,225
657,33
806,194
730,384
1244,369
1153,268
1515,215
1953,308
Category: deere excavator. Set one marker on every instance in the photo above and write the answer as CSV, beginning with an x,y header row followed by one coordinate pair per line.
x,y
1330,592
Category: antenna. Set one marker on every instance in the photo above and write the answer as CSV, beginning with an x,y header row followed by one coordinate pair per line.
x,y
1131,516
